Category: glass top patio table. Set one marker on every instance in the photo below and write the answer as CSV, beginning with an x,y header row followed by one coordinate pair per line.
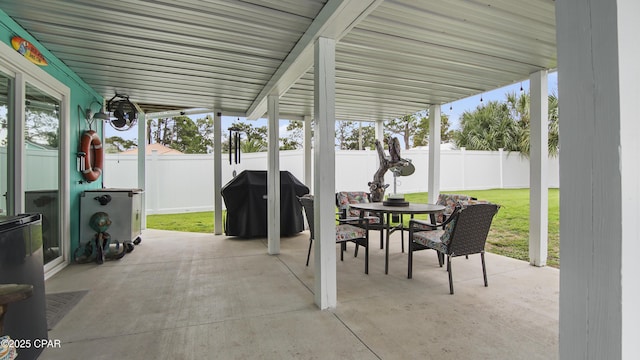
x,y
380,208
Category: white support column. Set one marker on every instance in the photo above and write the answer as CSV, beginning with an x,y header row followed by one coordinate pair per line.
x,y
142,165
273,176
629,78
501,165
463,156
325,286
19,150
308,137
434,153
217,173
538,169
598,77
154,185
380,130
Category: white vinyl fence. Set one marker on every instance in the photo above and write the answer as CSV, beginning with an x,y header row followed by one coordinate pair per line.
x,y
41,169
184,183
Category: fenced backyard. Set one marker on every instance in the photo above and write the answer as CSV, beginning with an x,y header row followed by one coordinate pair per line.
x,y
509,234
179,193
184,183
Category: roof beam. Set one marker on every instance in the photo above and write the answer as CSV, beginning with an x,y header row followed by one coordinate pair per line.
x,y
334,21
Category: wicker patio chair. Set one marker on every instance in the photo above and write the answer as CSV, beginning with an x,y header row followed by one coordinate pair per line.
x,y
463,233
347,215
357,233
449,201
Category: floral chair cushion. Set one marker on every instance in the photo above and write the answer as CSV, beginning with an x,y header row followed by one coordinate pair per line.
x,y
346,232
436,239
431,239
449,201
344,198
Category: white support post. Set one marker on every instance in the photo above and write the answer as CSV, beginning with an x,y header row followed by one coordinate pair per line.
x,y
463,156
308,137
380,131
434,153
19,148
142,165
154,186
501,166
273,176
217,173
538,169
598,77
629,78
325,285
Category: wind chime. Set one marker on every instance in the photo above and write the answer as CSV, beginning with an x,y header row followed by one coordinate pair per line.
x,y
234,146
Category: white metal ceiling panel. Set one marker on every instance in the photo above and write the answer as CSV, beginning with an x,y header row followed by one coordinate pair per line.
x,y
401,57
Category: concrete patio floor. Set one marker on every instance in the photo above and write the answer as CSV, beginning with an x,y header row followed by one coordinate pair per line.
x,y
200,296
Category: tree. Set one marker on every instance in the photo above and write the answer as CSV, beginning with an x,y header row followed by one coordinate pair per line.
x,y
404,126
554,135
116,144
488,127
295,138
252,145
254,136
205,128
343,130
421,136
188,138
355,133
42,127
519,109
506,125
182,134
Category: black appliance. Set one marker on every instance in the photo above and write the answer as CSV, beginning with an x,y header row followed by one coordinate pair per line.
x,y
21,262
245,197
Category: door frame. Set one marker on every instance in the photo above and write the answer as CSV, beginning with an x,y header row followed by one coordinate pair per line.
x,y
23,71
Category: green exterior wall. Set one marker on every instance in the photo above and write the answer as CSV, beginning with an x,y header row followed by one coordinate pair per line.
x,y
81,95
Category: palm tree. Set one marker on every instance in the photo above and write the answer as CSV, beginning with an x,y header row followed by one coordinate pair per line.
x,y
554,135
520,107
252,145
506,125
488,127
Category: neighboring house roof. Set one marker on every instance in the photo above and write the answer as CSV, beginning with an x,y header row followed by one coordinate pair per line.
x,y
161,149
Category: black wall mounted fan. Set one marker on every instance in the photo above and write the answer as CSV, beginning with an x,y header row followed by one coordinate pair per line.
x,y
123,113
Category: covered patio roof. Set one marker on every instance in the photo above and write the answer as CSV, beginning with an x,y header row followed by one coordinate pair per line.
x,y
393,57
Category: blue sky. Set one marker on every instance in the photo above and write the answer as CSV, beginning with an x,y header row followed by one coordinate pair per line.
x,y
470,103
454,110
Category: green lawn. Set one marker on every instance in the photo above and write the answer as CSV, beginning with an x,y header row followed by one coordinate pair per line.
x,y
189,222
508,236
509,233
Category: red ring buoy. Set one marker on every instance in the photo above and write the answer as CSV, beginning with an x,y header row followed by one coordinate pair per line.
x,y
92,147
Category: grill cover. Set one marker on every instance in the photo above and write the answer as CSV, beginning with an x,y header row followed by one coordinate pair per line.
x,y
245,197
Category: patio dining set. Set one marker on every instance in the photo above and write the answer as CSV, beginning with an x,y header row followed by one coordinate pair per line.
x,y
458,225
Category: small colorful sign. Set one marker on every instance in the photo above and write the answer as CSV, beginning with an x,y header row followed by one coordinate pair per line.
x,y
7,348
29,51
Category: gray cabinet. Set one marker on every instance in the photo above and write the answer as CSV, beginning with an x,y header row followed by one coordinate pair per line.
x,y
124,207
21,263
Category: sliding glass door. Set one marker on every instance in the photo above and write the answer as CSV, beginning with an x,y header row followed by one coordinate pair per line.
x,y
34,152
42,166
